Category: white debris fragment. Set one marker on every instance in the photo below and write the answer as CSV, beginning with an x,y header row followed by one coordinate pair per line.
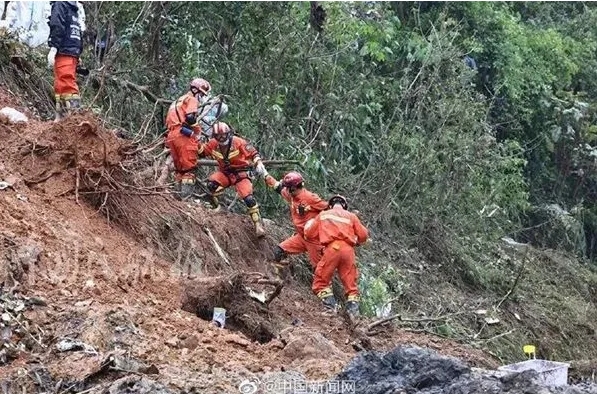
x,y
13,115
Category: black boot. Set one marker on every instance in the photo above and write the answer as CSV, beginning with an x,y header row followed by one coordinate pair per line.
x,y
352,307
329,303
59,108
187,188
72,103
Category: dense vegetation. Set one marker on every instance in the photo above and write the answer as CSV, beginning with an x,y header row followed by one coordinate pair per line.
x,y
381,102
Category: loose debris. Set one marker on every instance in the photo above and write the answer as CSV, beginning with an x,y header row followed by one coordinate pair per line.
x,y
17,333
410,369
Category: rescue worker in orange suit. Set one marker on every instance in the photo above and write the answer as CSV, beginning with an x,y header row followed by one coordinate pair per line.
x,y
339,231
183,136
237,160
304,205
66,45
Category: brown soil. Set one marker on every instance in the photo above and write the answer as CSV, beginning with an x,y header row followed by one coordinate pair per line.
x,y
112,257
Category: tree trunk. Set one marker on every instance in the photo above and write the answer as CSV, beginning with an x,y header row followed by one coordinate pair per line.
x,y
158,10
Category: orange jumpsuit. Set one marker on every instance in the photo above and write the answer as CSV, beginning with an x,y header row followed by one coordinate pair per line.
x,y
183,149
234,161
313,204
339,231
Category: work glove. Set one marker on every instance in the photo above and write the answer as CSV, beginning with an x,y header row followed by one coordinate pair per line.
x,y
271,181
52,57
260,169
82,70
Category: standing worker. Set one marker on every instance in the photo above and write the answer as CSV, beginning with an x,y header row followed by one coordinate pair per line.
x,y
304,205
339,231
66,46
237,161
183,135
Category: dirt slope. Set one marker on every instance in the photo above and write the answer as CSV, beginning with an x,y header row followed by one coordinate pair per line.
x,y
93,275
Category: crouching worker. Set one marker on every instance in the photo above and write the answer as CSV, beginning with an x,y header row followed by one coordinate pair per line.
x,y
304,205
237,160
339,231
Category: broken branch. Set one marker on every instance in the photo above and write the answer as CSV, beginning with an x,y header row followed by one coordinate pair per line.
x,y
217,246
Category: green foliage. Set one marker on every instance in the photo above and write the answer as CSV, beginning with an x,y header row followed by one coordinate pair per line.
x,y
381,107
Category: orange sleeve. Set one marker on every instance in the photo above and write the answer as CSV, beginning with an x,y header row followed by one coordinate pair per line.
x,y
204,149
316,203
249,151
311,230
286,194
191,105
360,231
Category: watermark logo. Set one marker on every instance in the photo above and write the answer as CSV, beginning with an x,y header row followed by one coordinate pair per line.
x,y
298,387
248,387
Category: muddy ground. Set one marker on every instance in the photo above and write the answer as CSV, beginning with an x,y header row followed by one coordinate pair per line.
x,y
98,265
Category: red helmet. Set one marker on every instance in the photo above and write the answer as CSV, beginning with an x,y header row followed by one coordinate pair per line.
x,y
221,131
338,199
200,85
293,179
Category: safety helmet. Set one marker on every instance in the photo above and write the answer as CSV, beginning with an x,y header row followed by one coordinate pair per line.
x,y
200,85
338,199
293,179
221,132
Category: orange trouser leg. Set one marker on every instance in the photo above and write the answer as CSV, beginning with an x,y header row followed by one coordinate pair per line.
x,y
184,155
65,75
297,245
220,178
244,188
293,245
325,271
315,252
347,270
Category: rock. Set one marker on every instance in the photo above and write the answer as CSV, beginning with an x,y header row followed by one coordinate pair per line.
x,y
135,384
100,243
172,342
12,179
28,254
302,343
66,344
235,338
84,303
13,116
276,344
190,342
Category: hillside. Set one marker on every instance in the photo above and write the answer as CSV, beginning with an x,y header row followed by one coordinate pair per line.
x,y
93,292
462,132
